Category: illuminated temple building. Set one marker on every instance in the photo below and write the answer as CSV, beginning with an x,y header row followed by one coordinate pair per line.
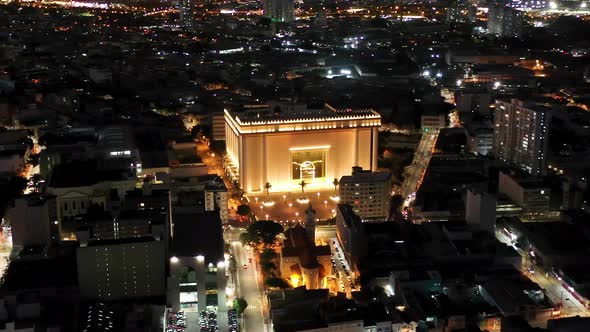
x,y
286,145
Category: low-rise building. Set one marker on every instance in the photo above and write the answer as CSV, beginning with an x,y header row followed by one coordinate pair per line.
x,y
528,192
432,122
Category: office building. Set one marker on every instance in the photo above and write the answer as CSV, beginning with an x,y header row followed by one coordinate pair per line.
x,y
286,148
279,10
33,221
521,133
480,210
504,21
530,193
432,121
197,248
369,193
473,101
209,191
481,140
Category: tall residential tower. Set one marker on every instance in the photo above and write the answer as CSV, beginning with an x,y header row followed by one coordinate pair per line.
x,y
505,21
186,8
279,10
521,133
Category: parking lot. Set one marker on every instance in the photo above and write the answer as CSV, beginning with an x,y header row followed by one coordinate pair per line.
x,y
203,321
176,321
208,321
232,318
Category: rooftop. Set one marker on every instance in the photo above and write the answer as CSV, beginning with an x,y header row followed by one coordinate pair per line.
x,y
198,234
366,177
84,173
266,116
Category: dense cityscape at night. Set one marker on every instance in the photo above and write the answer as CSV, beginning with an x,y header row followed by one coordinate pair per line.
x,y
295,166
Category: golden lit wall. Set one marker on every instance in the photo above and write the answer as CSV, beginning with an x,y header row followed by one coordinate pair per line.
x,y
268,157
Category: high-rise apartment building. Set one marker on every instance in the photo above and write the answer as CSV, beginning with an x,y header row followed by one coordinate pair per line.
x,y
461,11
186,8
529,4
369,193
521,135
279,10
504,21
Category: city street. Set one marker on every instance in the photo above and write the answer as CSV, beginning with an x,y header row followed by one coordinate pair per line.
x,y
247,284
344,276
415,172
554,288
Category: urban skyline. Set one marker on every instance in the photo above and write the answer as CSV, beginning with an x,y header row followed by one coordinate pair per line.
x,y
294,166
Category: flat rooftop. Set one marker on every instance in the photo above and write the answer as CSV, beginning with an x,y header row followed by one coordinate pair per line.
x,y
366,177
84,173
266,115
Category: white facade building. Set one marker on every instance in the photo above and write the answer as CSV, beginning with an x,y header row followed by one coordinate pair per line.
x,y
315,146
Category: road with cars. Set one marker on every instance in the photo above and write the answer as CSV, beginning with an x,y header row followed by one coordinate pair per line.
x,y
415,172
247,283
